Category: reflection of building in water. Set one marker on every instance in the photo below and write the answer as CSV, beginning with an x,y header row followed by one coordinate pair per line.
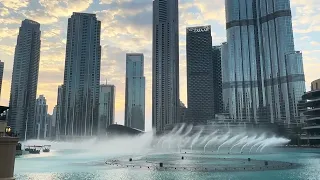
x,y
106,107
312,113
135,91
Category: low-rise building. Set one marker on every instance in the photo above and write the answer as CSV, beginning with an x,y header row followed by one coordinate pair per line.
x,y
312,114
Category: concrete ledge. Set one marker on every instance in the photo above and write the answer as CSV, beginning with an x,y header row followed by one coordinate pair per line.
x,y
7,156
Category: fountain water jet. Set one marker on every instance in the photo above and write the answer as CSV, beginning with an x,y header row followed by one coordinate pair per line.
x,y
228,141
196,138
257,142
239,142
249,142
207,137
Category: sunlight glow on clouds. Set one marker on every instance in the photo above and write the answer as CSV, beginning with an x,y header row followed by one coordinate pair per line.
x,y
127,27
15,4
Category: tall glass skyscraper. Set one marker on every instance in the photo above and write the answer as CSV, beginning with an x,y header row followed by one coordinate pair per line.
x,y
135,92
81,82
59,112
200,75
25,80
106,107
265,77
41,121
217,79
1,74
165,64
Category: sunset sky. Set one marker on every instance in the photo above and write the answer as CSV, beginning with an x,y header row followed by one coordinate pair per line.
x,y
127,27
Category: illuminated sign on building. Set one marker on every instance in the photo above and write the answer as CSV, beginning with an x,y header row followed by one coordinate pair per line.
x,y
199,29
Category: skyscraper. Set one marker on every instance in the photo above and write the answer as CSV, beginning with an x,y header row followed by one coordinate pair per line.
x,y
25,79
41,121
266,77
106,107
217,79
81,76
53,124
1,75
200,74
59,112
135,92
165,64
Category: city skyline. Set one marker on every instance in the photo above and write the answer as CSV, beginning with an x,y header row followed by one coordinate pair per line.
x,y
51,72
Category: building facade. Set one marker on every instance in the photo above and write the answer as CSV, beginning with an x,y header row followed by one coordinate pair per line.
x,y
182,113
165,64
52,125
312,114
264,78
48,127
80,104
135,92
58,113
41,121
1,75
315,85
200,87
25,80
106,107
217,79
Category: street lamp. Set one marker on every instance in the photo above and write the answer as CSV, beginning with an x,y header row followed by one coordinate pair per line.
x,y
8,131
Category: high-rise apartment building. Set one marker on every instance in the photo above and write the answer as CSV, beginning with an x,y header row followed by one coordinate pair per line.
x,y
41,121
217,79
106,107
79,116
53,123
182,113
165,64
200,81
58,113
135,92
1,74
265,78
25,80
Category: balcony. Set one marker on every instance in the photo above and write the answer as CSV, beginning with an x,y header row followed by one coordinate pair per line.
x,y
316,137
311,127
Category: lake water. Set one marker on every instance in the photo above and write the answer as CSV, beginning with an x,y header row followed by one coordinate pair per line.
x,y
67,161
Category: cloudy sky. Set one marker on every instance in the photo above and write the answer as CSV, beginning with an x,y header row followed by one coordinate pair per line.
x,y
126,27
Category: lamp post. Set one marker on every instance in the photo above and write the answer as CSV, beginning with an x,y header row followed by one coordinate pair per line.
x,y
8,131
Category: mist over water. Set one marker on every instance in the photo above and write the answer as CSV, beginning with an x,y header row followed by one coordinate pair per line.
x,y
180,138
201,148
